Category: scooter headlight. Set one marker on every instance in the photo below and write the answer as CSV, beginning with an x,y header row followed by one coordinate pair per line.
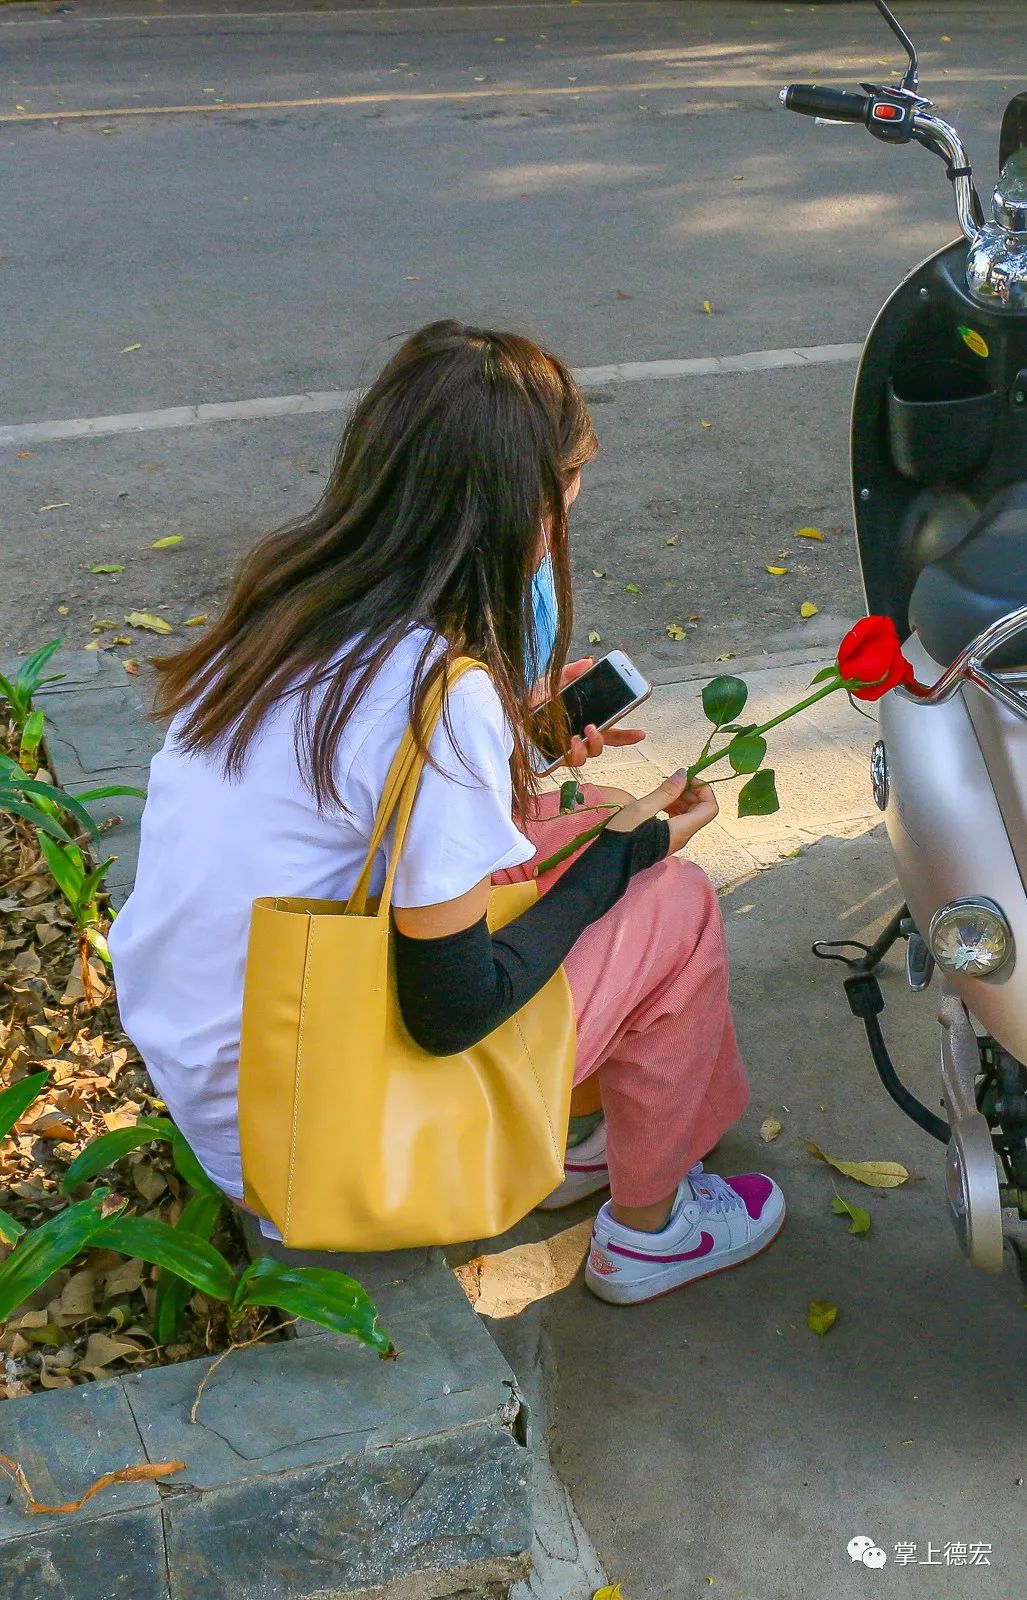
x,y
970,938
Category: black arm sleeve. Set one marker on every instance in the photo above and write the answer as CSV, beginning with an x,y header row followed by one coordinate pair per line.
x,y
455,990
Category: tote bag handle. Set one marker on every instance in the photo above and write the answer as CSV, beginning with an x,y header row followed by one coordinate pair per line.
x,y
400,792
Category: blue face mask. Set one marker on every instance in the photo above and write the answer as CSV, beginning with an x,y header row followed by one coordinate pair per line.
x,y
546,617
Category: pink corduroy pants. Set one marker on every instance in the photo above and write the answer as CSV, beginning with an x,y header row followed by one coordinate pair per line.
x,y
650,987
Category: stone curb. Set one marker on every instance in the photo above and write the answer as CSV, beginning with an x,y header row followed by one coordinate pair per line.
x,y
314,1471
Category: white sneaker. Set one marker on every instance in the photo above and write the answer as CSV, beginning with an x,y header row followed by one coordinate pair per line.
x,y
716,1223
585,1172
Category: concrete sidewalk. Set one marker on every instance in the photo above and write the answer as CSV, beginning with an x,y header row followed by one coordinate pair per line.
x,y
711,1443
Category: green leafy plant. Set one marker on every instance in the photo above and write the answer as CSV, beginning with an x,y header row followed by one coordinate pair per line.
x,y
183,1252
43,803
329,1298
188,1261
19,691
31,739
40,1252
14,1102
79,884
198,1218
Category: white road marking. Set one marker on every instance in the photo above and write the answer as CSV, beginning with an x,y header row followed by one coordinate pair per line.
x,y
285,405
289,13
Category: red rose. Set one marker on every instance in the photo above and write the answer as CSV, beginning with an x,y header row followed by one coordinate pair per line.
x,y
871,654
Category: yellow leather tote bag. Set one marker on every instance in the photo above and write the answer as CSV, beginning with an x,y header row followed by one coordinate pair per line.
x,y
353,1138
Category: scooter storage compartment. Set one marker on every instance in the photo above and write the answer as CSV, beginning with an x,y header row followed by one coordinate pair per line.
x,y
941,420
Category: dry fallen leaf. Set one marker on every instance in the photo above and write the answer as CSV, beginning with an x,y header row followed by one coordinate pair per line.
x,y
101,1350
632,588
821,1316
108,567
673,540
127,351
769,1129
132,667
597,572
167,542
875,1174
63,610
808,609
706,424
595,638
55,505
860,1219
809,533
78,1296
708,307
123,1279
676,631
610,1591
23,455
777,572
147,620
195,622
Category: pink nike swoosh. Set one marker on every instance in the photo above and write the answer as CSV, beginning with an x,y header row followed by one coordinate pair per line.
x,y
703,1248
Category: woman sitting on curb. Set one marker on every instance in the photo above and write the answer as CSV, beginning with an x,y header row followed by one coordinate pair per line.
x,y
442,533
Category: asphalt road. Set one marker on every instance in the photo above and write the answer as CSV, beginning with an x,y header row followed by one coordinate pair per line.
x,y
620,165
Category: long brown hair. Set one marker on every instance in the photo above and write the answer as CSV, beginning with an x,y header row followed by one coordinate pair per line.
x,y
448,468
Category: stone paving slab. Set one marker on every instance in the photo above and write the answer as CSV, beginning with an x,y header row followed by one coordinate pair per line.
x,y
455,1502
314,1470
324,1396
64,1441
113,1548
111,1558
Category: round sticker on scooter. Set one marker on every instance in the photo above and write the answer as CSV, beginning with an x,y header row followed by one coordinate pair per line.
x,y
973,341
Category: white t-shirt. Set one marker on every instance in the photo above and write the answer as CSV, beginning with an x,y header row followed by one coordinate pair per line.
x,y
210,846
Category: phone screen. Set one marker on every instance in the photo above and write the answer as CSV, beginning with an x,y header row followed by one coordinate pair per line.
x,y
598,696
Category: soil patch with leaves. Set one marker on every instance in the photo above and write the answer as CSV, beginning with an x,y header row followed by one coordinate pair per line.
x,y
95,1316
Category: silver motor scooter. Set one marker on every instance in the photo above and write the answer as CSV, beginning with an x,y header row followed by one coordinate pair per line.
x,y
939,474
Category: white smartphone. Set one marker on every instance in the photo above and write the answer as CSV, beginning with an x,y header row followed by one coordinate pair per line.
x,y
601,696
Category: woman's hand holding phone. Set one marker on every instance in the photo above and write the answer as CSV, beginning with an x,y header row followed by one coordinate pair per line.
x,y
593,742
689,807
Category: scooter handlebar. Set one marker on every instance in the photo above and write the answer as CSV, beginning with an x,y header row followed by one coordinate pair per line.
x,y
837,105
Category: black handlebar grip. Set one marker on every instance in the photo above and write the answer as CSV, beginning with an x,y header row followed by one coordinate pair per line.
x,y
811,100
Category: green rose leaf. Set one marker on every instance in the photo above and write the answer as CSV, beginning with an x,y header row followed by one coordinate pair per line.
x,y
746,752
570,796
825,673
723,699
758,798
